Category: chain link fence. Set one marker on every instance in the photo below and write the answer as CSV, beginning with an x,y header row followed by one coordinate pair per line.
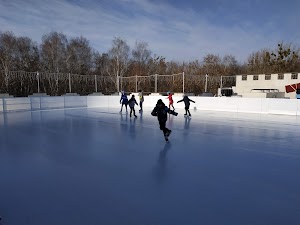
x,y
19,83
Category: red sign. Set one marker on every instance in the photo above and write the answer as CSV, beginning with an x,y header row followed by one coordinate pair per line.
x,y
292,87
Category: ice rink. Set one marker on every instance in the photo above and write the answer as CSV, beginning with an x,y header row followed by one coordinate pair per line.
x,y
96,166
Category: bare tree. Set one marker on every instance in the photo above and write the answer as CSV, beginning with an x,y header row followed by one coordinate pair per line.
x,y
157,65
119,59
79,56
53,52
230,65
7,55
140,56
284,59
212,64
27,55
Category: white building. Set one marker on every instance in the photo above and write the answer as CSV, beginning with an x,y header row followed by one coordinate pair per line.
x,y
266,85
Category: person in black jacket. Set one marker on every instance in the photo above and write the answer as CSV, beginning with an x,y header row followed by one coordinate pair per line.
x,y
131,104
161,111
186,101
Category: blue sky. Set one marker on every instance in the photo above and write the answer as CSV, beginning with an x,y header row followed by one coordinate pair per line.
x,y
178,30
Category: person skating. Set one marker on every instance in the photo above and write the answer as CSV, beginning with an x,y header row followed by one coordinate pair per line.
x,y
123,100
186,101
131,104
161,110
170,100
141,97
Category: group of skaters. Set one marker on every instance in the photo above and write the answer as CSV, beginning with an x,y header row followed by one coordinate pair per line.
x,y
131,102
160,110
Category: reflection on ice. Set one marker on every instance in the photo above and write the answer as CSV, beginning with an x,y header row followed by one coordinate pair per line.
x,y
97,166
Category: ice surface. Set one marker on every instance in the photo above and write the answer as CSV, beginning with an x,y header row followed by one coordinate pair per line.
x,y
96,166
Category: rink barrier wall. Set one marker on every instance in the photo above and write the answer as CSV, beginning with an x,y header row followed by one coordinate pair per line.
x,y
247,105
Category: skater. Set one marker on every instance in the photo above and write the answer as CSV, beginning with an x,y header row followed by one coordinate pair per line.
x,y
170,100
186,101
131,104
141,97
161,111
123,100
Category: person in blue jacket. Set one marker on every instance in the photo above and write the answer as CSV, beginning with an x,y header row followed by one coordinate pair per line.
x,y
123,100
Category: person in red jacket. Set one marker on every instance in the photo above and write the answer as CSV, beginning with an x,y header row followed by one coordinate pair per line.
x,y
170,100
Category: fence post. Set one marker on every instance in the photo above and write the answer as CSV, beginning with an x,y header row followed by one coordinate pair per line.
x,y
118,83
6,79
70,87
221,82
155,90
38,81
206,75
183,82
136,84
96,88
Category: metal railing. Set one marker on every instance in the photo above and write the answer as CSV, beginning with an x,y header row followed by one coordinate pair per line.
x,y
20,83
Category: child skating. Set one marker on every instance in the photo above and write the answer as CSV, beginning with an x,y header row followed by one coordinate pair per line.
x,y
161,111
186,101
131,104
123,100
170,100
141,97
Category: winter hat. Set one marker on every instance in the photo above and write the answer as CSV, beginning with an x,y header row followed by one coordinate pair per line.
x,y
159,101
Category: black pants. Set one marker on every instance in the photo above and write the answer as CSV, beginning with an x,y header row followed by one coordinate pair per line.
x,y
162,126
125,106
187,111
132,110
141,106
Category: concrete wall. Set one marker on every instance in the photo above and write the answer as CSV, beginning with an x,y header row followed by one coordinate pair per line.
x,y
249,105
244,87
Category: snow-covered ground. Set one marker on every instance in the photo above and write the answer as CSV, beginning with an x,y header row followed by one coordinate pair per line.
x,y
97,166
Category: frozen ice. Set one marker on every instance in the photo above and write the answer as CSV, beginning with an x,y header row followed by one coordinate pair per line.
x,y
97,166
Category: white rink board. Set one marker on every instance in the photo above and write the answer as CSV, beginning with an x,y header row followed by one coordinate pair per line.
x,y
246,105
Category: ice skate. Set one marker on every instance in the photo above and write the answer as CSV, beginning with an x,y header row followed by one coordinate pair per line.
x,y
166,138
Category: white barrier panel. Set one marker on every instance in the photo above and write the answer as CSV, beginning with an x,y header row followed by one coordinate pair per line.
x,y
282,106
249,105
1,105
114,101
56,102
16,104
75,101
35,103
150,101
218,104
97,101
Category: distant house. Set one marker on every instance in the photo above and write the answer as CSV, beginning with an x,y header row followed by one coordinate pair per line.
x,y
281,85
